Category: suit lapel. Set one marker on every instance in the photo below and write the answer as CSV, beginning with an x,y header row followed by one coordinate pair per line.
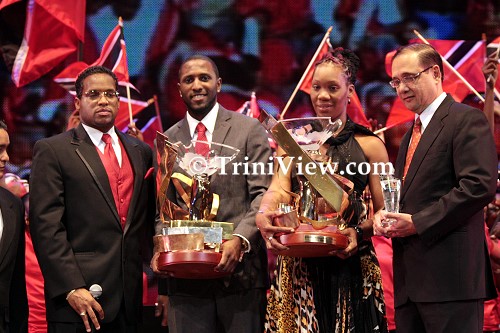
x,y
428,137
9,224
184,134
222,126
87,152
135,159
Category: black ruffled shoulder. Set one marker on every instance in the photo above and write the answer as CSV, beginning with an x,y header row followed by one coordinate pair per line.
x,y
349,129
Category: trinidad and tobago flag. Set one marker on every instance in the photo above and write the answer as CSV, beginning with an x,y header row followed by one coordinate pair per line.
x,y
467,57
114,57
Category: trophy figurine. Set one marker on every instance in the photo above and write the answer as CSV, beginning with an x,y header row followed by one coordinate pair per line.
x,y
316,223
190,240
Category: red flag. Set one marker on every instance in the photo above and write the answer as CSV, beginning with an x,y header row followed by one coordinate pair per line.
x,y
399,114
493,47
51,33
354,109
114,56
467,57
165,33
305,86
244,109
251,108
149,130
5,3
356,113
254,107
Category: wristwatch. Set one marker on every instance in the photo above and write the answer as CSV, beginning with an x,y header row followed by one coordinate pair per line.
x,y
359,233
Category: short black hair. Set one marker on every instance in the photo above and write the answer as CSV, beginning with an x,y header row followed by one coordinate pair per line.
x,y
3,125
91,71
427,55
201,57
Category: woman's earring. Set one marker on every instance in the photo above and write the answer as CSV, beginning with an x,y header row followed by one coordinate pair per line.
x,y
349,101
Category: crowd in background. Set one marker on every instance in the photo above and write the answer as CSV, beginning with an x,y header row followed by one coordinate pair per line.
x,y
261,46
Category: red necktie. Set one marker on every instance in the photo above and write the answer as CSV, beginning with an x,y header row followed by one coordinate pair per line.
x,y
109,153
415,138
201,148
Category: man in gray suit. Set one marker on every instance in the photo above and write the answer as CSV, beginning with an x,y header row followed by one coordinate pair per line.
x,y
13,301
235,303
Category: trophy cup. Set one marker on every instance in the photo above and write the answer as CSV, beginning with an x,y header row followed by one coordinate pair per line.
x,y
315,222
190,241
391,189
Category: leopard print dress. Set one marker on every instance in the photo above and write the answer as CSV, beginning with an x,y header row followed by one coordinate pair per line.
x,y
329,294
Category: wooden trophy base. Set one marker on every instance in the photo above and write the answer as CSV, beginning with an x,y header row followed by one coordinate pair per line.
x,y
191,264
307,242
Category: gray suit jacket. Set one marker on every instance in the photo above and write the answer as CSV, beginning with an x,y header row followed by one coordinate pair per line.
x,y
13,301
240,197
75,226
451,178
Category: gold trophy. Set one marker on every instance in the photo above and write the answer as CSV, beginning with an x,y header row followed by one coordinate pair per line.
x,y
316,210
190,240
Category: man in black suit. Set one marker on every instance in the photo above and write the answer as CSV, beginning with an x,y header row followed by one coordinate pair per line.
x,y
13,301
237,302
91,201
448,165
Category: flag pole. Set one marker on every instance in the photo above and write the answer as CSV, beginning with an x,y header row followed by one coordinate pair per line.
x,y
157,111
311,63
127,86
481,98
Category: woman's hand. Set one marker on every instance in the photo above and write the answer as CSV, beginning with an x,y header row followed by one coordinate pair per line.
x,y
264,223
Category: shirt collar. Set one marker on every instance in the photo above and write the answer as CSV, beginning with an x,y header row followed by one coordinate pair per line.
x,y
426,115
209,121
96,135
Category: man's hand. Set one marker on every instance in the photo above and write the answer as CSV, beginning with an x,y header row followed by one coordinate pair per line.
x,y
402,226
490,70
134,131
154,266
161,309
86,306
231,251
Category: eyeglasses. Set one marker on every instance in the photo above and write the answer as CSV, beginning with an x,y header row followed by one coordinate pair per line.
x,y
96,94
407,79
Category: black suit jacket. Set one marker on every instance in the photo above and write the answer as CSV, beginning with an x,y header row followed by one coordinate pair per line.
x,y
451,178
75,226
240,198
13,301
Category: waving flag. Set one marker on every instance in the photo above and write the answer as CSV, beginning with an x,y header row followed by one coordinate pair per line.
x,y
354,109
113,56
251,109
493,47
5,3
305,86
467,57
51,33
149,130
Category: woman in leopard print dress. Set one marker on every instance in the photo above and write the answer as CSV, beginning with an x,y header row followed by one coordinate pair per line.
x,y
341,293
